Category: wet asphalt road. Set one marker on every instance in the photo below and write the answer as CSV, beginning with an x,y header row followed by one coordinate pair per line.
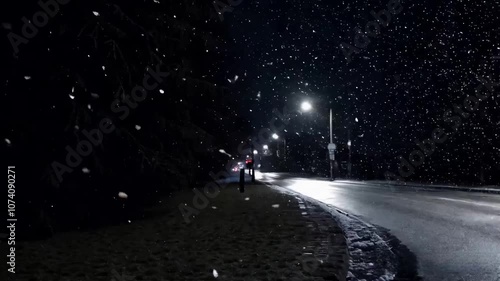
x,y
455,235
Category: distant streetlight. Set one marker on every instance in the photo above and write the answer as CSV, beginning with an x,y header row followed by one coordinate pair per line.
x,y
306,106
275,136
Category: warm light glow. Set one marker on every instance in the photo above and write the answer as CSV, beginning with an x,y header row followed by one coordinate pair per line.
x,y
306,106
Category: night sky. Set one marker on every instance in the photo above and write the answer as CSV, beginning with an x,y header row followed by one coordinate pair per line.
x,y
398,86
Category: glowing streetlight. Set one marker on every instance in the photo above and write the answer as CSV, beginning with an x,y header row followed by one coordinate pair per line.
x,y
275,136
306,106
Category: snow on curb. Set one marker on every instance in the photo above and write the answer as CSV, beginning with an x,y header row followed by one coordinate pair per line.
x,y
370,257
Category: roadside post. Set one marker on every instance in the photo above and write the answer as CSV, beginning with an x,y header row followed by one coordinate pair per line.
x,y
331,153
253,163
242,180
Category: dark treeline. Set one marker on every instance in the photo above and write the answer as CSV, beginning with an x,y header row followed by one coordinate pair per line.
x,y
78,70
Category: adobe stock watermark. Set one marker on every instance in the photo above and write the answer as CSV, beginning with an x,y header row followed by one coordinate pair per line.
x,y
94,137
454,117
30,28
221,7
372,29
212,189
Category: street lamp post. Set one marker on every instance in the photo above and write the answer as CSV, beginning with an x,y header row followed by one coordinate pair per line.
x,y
306,106
284,148
331,127
253,162
331,147
349,144
278,154
276,137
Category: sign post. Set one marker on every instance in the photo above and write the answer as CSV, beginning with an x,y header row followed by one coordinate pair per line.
x,y
331,153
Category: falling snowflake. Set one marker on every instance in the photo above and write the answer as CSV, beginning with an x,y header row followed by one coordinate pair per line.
x,y
276,206
71,96
95,13
161,91
85,170
122,195
247,199
137,127
7,141
215,273
27,77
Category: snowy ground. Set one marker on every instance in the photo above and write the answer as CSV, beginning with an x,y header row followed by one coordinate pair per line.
x,y
258,235
374,253
372,257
